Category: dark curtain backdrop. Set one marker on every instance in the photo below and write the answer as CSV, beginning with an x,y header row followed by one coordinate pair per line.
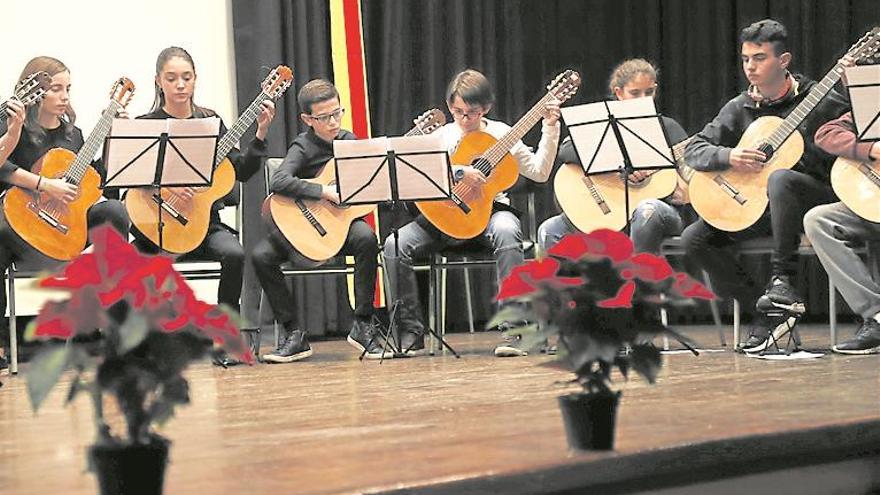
x,y
414,47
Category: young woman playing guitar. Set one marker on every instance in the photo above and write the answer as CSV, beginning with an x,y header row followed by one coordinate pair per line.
x,y
175,86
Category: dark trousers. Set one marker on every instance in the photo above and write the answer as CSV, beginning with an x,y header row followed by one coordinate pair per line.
x,y
219,245
791,195
13,248
271,252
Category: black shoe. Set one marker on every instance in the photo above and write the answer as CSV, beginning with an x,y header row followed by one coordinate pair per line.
x,y
410,330
4,364
412,344
866,341
365,337
780,296
295,347
511,345
767,331
222,358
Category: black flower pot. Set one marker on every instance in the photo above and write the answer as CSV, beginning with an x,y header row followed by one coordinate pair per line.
x,y
130,469
589,419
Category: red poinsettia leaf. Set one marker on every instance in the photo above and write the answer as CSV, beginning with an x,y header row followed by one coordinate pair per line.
x,y
647,267
688,287
571,247
114,253
599,243
81,272
524,279
623,298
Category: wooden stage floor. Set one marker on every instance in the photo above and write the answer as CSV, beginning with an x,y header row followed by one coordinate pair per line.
x,y
480,424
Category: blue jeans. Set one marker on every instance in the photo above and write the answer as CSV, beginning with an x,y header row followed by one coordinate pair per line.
x,y
652,221
503,236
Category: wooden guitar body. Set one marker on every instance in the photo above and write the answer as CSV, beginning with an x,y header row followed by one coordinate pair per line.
x,y
857,184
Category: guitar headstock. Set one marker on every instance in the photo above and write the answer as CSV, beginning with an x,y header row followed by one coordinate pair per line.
x,y
32,88
867,47
277,82
565,85
122,91
430,121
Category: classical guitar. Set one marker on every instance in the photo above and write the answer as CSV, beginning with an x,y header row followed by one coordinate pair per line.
x,y
733,200
466,219
316,229
185,220
29,90
55,228
857,184
599,201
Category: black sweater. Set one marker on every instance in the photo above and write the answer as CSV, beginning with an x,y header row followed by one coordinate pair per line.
x,y
305,157
245,164
710,148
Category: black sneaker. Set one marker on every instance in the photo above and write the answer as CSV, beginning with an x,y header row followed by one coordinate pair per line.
x,y
222,358
412,344
866,341
780,296
766,331
295,347
364,336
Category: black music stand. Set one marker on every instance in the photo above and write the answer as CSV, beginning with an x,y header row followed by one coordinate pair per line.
x,y
161,153
637,139
863,85
370,172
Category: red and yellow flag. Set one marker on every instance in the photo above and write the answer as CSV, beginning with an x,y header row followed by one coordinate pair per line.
x,y
350,74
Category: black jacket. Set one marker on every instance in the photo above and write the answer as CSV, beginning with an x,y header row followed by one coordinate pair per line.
x,y
710,148
305,157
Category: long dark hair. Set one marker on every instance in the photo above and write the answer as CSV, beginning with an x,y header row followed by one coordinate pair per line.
x,y
35,131
159,100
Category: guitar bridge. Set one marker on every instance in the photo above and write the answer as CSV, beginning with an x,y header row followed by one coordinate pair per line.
x,y
311,218
870,174
48,218
729,189
461,204
170,209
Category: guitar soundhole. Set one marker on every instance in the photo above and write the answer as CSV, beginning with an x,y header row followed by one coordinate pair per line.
x,y
768,150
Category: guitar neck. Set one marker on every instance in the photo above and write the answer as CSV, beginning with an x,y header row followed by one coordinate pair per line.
x,y
494,154
92,144
3,107
807,105
234,134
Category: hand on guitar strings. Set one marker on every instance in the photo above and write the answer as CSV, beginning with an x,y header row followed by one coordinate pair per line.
x,y
265,118
329,193
58,189
468,188
184,193
747,159
875,152
551,112
638,176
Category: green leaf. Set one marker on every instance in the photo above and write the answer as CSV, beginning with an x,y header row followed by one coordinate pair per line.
x,y
44,371
132,332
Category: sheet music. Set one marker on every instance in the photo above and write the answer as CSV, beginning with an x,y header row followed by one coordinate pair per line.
x,y
863,83
132,159
363,170
640,129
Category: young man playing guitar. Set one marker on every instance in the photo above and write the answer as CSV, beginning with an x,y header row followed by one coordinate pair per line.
x,y
469,98
835,230
653,219
773,91
308,153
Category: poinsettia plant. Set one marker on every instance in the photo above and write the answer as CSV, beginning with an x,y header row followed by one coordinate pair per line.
x,y
600,301
131,325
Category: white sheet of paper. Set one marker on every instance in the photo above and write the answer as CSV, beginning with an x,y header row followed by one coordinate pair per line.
x,y
595,141
422,166
361,163
199,151
865,100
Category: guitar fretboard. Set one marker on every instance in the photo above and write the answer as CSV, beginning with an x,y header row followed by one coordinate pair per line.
x,y
494,154
234,134
93,143
802,111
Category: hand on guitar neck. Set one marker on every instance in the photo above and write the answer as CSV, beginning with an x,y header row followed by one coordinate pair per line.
x,y
747,159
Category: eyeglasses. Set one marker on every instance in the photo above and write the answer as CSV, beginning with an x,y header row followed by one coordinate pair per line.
x,y
325,118
459,114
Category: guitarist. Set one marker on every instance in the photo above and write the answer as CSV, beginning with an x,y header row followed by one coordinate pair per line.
x,y
27,136
773,91
653,219
833,229
175,87
308,153
469,98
